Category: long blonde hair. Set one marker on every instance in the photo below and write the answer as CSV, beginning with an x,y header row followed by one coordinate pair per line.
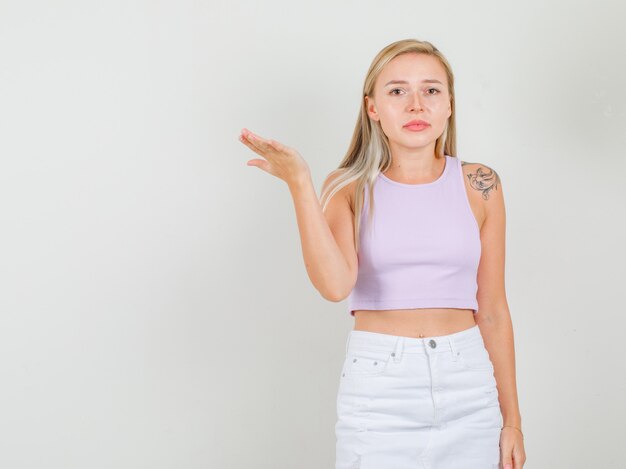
x,y
369,152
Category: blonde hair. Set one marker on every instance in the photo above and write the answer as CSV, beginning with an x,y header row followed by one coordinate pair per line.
x,y
369,152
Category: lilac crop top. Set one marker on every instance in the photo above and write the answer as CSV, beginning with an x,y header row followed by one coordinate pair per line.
x,y
424,247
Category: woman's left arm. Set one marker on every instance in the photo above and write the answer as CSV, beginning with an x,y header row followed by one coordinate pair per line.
x,y
493,316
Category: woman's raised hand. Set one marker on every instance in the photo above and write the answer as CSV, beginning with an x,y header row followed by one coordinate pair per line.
x,y
280,160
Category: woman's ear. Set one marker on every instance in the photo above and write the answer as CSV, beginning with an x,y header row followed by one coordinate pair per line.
x,y
370,106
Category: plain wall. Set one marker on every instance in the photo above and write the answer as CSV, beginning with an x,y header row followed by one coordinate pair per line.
x,y
155,311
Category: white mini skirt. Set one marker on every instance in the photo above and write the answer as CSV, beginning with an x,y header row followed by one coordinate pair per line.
x,y
409,403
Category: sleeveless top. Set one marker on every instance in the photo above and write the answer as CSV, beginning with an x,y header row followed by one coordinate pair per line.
x,y
424,247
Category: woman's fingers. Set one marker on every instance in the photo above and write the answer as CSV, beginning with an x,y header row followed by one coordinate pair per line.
x,y
256,143
276,145
261,143
246,140
252,144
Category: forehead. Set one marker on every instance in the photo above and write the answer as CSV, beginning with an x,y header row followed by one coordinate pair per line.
x,y
413,68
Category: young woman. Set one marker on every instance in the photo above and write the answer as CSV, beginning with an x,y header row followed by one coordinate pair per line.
x,y
415,239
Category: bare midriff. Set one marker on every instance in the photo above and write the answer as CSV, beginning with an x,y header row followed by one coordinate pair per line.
x,y
418,322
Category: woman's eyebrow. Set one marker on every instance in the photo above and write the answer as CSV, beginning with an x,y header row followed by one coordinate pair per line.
x,y
403,82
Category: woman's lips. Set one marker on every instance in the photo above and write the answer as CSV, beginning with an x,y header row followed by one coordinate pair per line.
x,y
416,127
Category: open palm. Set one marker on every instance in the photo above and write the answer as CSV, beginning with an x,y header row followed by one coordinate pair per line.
x,y
279,160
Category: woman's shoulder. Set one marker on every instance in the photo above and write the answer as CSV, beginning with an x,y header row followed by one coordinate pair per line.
x,y
347,191
481,177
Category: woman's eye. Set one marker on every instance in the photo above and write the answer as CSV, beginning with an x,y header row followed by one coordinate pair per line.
x,y
436,91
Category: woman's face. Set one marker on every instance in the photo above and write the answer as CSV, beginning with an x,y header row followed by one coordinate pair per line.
x,y
419,91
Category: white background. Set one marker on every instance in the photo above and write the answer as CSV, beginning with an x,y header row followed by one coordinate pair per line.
x,y
155,311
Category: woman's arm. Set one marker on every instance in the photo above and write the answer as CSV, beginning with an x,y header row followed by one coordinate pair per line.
x,y
493,316
327,238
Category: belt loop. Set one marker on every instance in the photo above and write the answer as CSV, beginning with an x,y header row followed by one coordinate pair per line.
x,y
348,341
453,348
398,349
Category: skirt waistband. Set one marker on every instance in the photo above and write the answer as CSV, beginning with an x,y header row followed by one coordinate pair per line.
x,y
365,340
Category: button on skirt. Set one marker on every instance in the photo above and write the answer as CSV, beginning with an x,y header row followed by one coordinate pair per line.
x,y
409,403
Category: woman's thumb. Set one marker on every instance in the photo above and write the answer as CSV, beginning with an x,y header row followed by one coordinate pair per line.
x,y
258,163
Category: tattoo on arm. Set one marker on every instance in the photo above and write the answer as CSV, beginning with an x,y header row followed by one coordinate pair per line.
x,y
483,180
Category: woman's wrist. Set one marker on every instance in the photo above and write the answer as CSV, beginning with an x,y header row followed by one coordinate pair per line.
x,y
515,427
517,422
300,181
513,420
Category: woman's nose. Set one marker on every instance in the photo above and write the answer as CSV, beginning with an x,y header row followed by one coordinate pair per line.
x,y
414,102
